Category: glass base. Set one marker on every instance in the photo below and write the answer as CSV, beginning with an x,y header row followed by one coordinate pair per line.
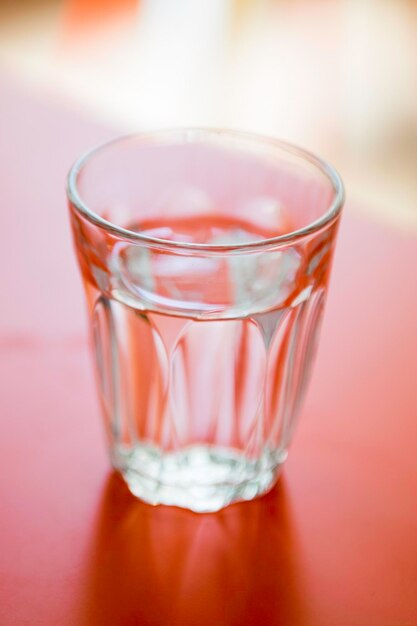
x,y
200,478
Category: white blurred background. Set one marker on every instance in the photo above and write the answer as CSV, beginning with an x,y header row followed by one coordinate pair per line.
x,y
336,76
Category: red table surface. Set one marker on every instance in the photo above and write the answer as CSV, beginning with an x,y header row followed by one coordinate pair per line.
x,y
334,543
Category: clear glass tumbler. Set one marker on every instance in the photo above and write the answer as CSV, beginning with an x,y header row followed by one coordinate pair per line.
x,y
205,256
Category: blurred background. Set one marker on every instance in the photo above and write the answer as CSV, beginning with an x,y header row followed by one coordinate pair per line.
x,y
337,76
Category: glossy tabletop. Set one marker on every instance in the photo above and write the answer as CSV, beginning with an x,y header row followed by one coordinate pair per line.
x,y
334,543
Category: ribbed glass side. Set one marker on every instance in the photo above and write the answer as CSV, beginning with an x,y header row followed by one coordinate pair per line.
x,y
200,412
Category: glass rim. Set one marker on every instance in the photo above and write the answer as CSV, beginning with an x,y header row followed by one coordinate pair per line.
x,y
286,239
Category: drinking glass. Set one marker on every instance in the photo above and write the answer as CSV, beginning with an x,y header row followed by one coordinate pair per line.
x,y
205,256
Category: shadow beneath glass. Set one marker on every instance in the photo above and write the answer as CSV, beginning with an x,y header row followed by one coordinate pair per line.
x,y
165,565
